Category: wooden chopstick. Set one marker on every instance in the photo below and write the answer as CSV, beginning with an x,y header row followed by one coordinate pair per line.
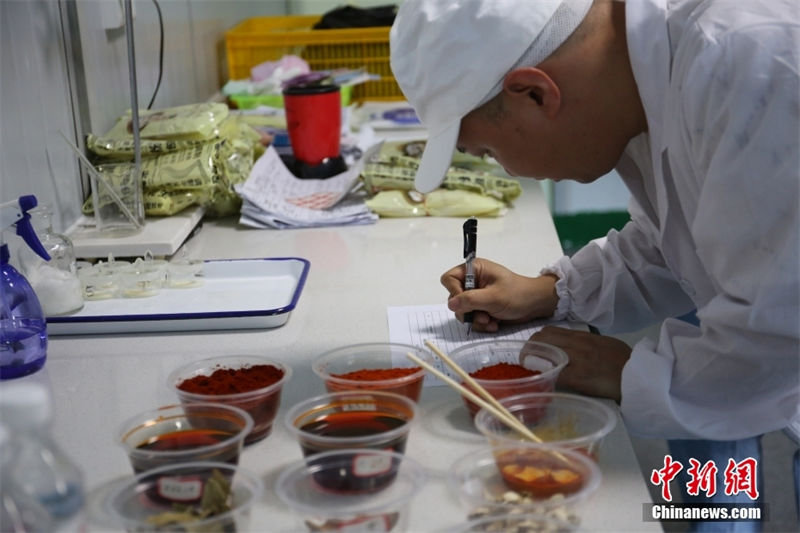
x,y
500,413
480,390
490,404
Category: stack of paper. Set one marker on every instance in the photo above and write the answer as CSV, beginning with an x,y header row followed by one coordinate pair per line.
x,y
274,198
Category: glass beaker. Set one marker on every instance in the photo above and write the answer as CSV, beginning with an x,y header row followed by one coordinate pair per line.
x,y
55,282
117,199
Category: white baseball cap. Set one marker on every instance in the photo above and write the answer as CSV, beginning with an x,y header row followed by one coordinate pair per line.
x,y
451,56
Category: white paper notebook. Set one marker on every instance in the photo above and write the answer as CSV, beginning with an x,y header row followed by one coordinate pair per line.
x,y
416,324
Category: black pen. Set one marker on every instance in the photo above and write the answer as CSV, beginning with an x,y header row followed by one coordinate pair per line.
x,y
470,244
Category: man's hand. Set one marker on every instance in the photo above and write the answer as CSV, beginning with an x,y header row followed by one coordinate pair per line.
x,y
500,295
595,361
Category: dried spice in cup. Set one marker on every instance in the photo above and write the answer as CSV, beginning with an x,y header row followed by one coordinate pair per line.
x,y
233,380
215,500
500,372
252,383
507,367
406,381
194,496
373,366
522,519
504,371
373,374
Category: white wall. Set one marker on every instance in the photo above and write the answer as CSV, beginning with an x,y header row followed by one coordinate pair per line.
x,y
35,104
64,70
607,193
194,52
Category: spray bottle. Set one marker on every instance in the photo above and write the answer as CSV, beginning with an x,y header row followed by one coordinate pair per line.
x,y
23,329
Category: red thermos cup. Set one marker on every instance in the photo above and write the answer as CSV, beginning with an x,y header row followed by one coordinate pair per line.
x,y
314,121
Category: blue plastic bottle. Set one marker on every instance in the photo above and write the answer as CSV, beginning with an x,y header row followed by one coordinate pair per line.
x,y
23,329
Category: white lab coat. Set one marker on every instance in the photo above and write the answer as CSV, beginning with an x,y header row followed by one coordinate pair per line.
x,y
715,186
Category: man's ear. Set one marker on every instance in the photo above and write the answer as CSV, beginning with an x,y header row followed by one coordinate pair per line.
x,y
536,86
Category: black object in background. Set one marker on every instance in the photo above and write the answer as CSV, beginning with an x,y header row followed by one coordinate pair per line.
x,y
329,167
160,53
357,17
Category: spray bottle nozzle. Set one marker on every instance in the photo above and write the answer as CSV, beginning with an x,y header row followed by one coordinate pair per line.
x,y
27,202
16,214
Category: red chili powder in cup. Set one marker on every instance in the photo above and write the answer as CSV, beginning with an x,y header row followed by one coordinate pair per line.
x,y
377,374
503,371
409,388
233,380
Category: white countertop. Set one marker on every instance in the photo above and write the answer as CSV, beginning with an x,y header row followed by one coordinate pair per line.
x,y
356,273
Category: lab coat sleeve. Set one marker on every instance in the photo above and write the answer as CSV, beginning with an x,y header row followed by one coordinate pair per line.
x,y
620,282
738,374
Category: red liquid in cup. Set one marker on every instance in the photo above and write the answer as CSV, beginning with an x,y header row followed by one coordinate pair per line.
x,y
184,440
356,476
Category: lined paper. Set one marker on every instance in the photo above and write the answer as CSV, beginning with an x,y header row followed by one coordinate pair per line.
x,y
416,324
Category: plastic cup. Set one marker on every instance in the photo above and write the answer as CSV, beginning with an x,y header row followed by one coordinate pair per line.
x,y
139,502
314,121
135,283
351,419
319,507
506,479
261,404
184,274
113,266
373,366
151,268
98,284
185,433
545,360
565,420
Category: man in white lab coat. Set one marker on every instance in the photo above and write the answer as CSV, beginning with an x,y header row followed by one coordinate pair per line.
x,y
695,104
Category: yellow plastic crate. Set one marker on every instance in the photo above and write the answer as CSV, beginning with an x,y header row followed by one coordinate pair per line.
x,y
261,39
